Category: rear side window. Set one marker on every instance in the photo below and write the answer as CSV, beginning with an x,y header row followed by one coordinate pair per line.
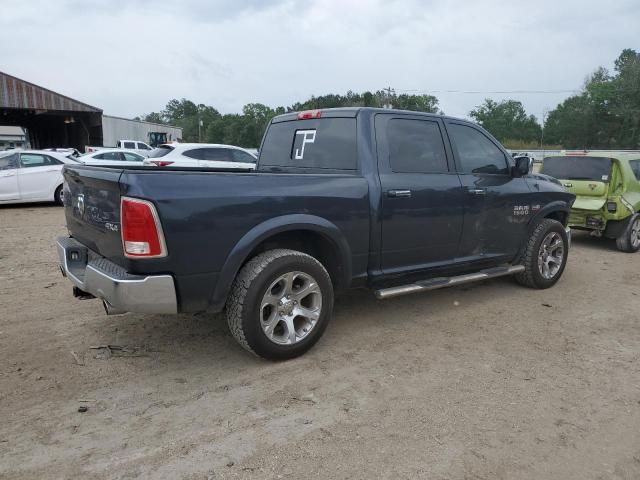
x,y
242,157
578,168
160,151
324,143
109,156
476,152
132,157
211,154
131,145
9,162
415,146
635,166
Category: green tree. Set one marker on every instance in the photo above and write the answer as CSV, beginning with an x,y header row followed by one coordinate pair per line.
x,y
507,120
605,114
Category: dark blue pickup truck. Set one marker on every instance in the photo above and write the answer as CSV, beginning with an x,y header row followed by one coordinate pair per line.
x,y
395,201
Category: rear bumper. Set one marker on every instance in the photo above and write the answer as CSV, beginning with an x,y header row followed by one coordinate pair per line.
x,y
121,291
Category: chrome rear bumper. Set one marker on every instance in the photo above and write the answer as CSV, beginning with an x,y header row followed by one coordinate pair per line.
x,y
119,290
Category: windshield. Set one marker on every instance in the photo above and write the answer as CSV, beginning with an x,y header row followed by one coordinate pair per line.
x,y
578,168
160,151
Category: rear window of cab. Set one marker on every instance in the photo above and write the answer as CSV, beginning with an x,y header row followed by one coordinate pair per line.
x,y
315,144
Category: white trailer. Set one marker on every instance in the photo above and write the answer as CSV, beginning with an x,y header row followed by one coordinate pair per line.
x,y
117,128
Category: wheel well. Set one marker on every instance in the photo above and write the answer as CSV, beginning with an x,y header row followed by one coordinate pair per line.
x,y
312,243
559,216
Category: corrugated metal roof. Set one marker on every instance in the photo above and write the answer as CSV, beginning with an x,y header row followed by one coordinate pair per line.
x,y
17,93
11,131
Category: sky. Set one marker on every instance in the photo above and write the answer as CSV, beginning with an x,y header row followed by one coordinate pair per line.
x,y
130,57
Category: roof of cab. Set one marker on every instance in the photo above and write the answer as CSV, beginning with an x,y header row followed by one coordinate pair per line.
x,y
352,112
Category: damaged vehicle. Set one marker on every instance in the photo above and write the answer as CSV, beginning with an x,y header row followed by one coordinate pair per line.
x,y
607,189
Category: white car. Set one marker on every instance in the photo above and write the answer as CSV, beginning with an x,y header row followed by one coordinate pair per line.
x,y
140,148
203,155
112,157
32,176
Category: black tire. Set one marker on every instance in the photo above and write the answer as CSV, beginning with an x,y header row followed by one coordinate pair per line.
x,y
243,309
532,276
629,240
58,196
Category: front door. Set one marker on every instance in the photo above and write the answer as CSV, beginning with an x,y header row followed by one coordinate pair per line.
x,y
9,178
423,201
497,204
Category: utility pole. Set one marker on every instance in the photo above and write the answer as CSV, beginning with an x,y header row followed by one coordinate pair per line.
x,y
389,91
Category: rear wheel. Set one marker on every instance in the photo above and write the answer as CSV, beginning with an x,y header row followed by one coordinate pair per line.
x,y
280,304
58,196
545,255
629,241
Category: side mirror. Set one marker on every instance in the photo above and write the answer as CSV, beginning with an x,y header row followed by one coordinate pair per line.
x,y
523,166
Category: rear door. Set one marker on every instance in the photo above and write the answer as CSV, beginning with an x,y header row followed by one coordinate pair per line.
x,y
38,176
423,200
9,177
497,206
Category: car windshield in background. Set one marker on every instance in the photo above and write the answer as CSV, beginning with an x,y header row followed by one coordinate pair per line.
x,y
578,168
160,151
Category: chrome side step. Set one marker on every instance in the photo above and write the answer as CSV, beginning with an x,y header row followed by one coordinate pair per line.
x,y
443,282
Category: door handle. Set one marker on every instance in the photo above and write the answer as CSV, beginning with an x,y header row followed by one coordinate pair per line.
x,y
7,174
398,193
478,191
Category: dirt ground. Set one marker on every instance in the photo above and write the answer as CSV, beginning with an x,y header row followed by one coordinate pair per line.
x,y
491,381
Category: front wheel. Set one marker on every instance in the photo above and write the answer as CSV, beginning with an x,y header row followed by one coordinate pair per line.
x,y
629,241
544,256
280,304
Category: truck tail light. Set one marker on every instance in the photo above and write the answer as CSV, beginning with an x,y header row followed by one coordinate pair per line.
x,y
142,235
161,163
309,114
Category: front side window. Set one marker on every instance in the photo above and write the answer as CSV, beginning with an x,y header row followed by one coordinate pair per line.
x,y
28,160
415,146
477,154
143,146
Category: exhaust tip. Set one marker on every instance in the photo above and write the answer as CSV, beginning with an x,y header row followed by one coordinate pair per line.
x,y
110,309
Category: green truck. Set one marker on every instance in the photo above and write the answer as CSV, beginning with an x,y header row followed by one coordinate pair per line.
x,y
607,189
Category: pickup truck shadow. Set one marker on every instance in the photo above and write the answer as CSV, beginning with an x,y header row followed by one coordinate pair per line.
x,y
204,339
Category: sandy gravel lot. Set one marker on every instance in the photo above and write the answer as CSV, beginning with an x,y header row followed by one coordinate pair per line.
x,y
492,381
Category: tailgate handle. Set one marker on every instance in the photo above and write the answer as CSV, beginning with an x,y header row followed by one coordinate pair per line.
x,y
399,193
478,191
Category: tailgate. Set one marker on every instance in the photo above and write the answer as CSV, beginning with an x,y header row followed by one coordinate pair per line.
x,y
92,208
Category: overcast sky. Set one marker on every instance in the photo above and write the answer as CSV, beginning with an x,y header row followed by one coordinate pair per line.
x,y
130,57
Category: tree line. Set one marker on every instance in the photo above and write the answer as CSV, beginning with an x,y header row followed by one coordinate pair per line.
x,y
604,114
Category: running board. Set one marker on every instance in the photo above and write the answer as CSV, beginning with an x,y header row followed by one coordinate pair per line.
x,y
443,282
